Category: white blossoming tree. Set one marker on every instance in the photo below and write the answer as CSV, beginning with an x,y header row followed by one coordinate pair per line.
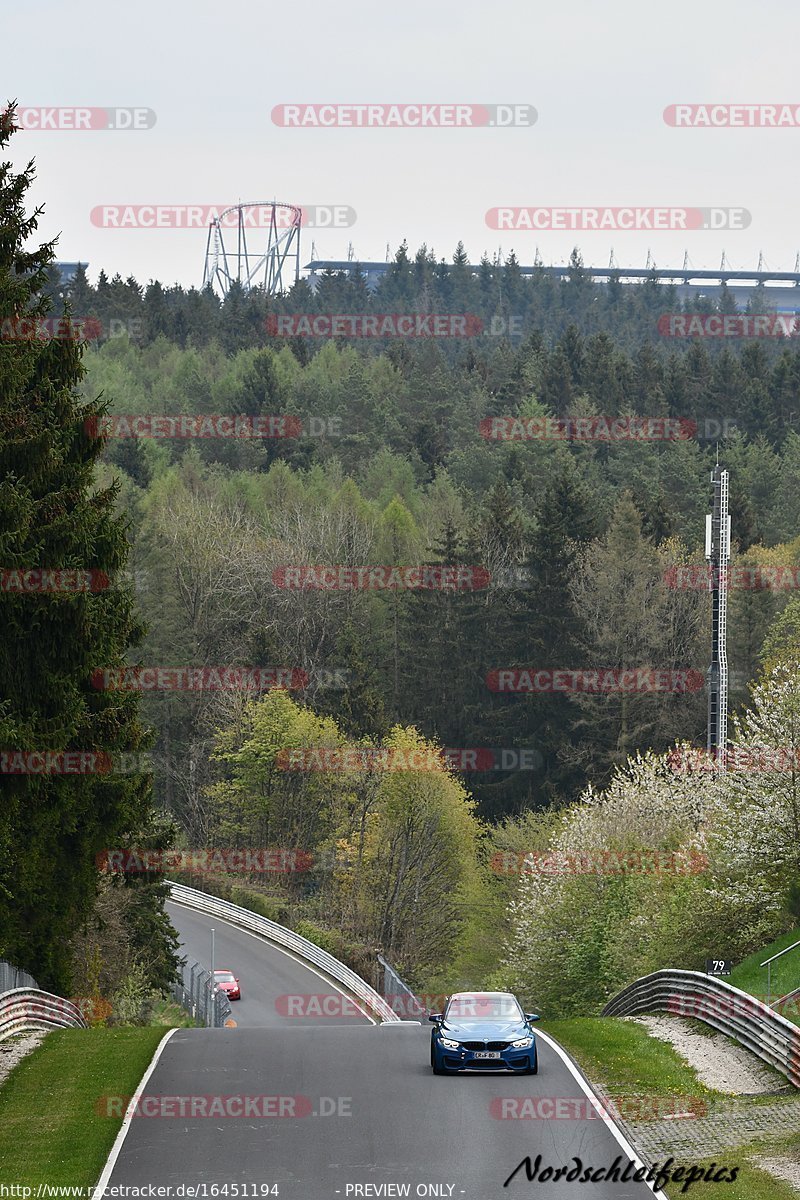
x,y
753,833
709,860
623,867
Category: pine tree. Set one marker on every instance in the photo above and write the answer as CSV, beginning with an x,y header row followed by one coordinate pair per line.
x,y
156,316
438,673
358,705
81,293
551,631
52,825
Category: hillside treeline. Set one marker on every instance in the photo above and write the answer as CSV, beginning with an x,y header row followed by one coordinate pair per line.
x,y
576,546
578,538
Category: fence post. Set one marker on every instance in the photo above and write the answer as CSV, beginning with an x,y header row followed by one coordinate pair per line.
x,y
400,992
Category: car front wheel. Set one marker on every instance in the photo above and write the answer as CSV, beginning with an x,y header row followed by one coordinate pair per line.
x,y
437,1070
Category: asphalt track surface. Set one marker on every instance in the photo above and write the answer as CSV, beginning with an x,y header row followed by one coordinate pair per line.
x,y
359,1105
267,976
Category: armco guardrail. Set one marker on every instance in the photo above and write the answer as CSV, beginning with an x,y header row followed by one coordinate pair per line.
x,y
289,940
25,1009
725,1008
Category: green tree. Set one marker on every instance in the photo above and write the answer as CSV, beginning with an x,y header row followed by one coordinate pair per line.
x,y
398,544
633,620
52,825
543,629
416,874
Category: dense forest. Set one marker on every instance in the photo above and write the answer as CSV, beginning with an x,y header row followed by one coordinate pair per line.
x,y
383,454
580,540
392,465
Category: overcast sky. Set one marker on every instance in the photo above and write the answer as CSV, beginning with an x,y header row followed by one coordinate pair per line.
x,y
598,72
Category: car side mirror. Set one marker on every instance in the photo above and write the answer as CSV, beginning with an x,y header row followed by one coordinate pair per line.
x,y
532,1016
435,1017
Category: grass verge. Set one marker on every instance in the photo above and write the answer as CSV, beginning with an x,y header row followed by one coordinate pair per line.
x,y
625,1059
749,976
622,1058
751,1183
50,1129
167,1012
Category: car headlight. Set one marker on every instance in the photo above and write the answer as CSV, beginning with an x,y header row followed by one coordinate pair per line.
x,y
522,1044
448,1043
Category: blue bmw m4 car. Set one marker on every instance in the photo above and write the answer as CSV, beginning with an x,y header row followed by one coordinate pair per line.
x,y
483,1031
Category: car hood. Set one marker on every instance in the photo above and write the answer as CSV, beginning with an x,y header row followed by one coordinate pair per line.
x,y
228,987
466,1031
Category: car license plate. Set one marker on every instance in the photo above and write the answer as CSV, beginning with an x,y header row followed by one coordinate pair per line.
x,y
487,1053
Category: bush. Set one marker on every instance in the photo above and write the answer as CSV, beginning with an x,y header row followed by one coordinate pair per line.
x,y
274,908
355,955
134,1001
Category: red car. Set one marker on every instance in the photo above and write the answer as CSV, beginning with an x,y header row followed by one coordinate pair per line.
x,y
227,982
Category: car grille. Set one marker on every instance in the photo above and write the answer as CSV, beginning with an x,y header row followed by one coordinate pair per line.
x,y
485,1045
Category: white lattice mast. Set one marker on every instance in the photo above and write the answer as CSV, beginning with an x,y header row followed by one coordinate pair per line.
x,y
718,552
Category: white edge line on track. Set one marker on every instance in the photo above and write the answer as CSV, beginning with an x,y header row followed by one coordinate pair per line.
x,y
111,1161
260,937
611,1125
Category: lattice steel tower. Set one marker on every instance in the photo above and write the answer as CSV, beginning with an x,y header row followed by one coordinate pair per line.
x,y
233,261
718,552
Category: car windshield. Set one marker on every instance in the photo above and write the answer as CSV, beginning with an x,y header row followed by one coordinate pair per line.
x,y
483,1008
225,976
